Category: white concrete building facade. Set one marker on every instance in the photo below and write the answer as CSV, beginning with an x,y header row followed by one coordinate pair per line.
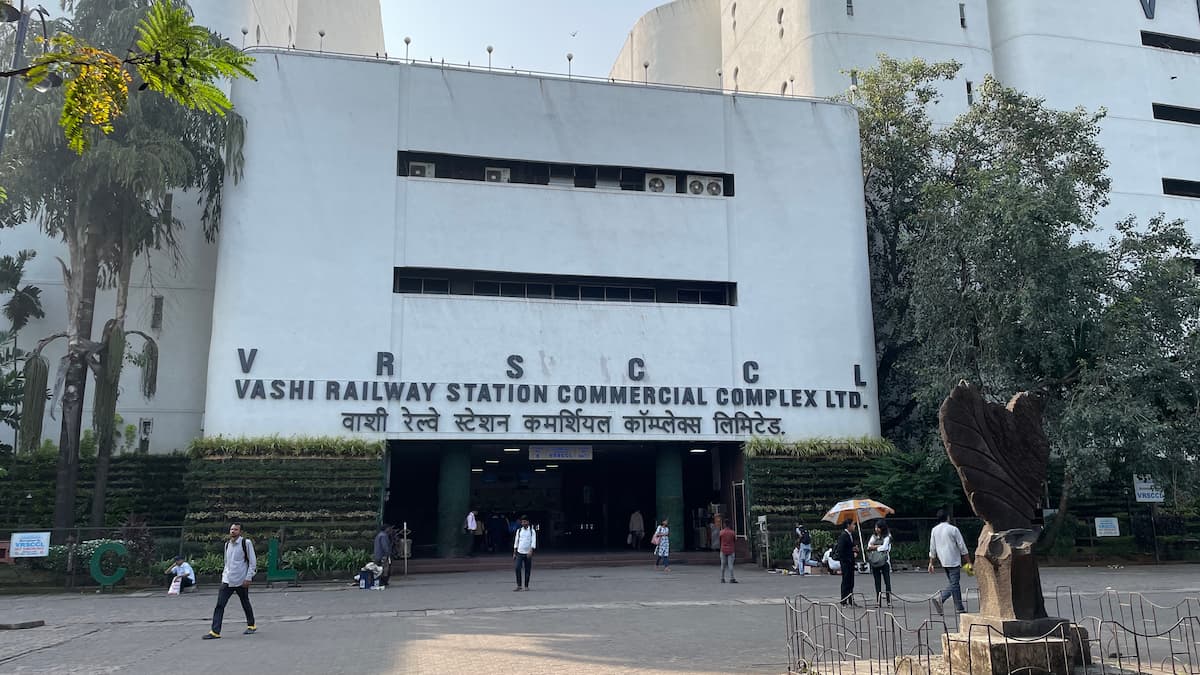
x,y
1139,59
542,297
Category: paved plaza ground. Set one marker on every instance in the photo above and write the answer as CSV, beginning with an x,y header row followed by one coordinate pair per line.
x,y
583,620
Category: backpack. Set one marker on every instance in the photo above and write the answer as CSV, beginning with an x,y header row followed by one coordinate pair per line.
x,y
805,537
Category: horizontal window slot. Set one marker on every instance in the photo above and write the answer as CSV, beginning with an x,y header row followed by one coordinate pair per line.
x,y
1175,43
691,182
574,288
1176,113
1181,188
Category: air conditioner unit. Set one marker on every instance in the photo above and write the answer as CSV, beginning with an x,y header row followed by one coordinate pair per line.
x,y
660,182
421,169
495,174
713,186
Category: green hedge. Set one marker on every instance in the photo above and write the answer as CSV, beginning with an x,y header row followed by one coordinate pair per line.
x,y
791,481
147,485
305,491
278,446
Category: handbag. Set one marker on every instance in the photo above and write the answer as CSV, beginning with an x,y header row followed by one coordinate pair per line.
x,y
655,539
877,558
175,584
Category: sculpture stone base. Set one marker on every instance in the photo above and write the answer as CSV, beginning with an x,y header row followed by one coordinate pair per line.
x,y
998,646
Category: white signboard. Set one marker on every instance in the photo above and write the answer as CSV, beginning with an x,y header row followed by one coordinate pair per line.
x,y
560,452
1107,527
1146,491
29,545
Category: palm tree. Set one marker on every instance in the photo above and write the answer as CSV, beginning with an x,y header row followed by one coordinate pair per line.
x,y
24,304
109,205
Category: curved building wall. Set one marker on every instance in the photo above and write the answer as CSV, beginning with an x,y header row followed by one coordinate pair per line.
x,y
351,26
807,48
1081,53
682,42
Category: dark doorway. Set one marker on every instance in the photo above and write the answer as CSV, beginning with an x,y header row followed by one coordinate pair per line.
x,y
413,493
581,505
578,505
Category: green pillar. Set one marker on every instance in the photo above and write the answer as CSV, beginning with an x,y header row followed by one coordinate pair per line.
x,y
454,496
668,481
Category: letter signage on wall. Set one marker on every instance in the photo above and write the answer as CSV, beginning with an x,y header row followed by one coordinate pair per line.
x,y
636,406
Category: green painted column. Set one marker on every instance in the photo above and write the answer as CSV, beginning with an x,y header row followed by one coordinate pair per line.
x,y
454,496
668,481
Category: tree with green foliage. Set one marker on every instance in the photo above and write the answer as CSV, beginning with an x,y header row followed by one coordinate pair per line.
x,y
96,165
981,271
24,303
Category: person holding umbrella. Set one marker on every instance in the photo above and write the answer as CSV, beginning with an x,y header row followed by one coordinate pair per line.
x,y
853,511
844,551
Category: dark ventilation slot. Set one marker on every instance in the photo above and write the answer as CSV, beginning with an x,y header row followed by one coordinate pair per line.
x,y
1175,43
1175,113
1181,188
441,281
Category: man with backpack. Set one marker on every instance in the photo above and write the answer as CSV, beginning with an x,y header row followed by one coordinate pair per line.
x,y
805,539
240,565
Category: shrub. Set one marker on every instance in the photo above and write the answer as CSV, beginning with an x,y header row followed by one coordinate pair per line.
x,y
821,540
327,559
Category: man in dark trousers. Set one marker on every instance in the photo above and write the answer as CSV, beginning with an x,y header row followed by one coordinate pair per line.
x,y
524,544
844,552
382,555
240,565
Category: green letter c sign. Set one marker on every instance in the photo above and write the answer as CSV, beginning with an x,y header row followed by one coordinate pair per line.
x,y
97,573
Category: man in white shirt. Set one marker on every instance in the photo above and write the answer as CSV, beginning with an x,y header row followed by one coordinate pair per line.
x,y
240,565
523,547
946,545
183,571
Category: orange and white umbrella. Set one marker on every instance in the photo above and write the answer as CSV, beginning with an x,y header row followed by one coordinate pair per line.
x,y
857,510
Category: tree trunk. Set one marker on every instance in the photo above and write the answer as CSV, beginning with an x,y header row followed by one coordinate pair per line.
x,y
1060,517
81,303
110,378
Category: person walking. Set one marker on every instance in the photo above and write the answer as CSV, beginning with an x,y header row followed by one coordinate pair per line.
x,y
637,529
240,565
845,551
728,539
805,545
524,544
382,554
662,546
879,555
946,546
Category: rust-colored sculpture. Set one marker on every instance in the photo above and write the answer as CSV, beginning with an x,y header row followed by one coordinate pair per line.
x,y
1001,455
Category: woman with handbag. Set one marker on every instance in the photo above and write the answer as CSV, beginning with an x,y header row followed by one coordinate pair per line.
x,y
880,558
662,546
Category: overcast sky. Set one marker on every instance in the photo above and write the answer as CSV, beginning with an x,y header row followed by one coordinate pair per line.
x,y
527,34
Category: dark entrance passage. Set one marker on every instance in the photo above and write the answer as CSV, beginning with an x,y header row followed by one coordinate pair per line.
x,y
578,505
